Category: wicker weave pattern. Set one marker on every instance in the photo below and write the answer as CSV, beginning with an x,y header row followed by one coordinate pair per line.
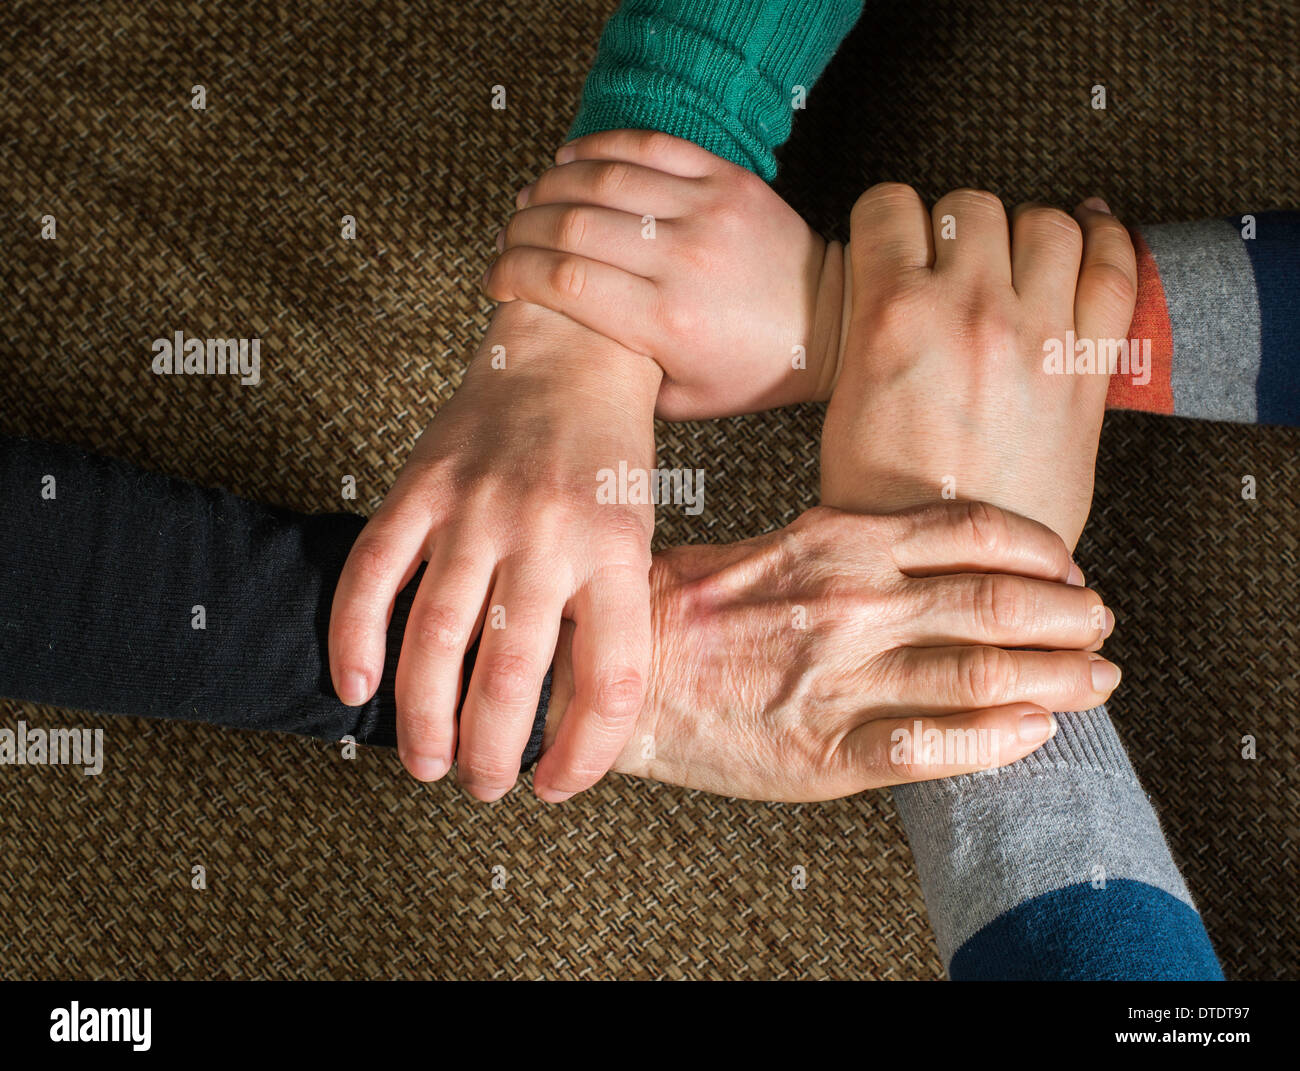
x,y
227,222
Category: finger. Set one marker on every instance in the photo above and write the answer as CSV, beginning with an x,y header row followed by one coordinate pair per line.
x,y
618,239
890,232
439,629
382,560
975,537
896,751
649,148
610,301
610,184
971,238
1004,611
1107,290
611,666
515,651
941,680
1046,244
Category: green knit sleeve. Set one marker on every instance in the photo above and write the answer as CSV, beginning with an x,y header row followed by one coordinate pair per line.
x,y
721,73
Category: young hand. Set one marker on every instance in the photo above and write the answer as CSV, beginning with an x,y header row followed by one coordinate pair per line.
x,y
943,390
687,258
500,498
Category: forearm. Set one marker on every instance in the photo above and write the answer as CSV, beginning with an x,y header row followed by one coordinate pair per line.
x,y
126,592
1053,867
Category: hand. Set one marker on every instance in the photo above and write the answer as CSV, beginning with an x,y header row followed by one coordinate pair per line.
x,y
796,666
500,498
686,258
942,388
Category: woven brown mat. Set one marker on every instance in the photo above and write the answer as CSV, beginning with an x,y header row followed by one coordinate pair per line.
x,y
226,222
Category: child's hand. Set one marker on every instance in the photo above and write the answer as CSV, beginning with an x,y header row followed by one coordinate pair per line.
x,y
943,391
687,258
500,498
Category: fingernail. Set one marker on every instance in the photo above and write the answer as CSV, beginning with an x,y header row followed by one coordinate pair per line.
x,y
1110,624
521,198
1075,577
353,688
1035,728
1105,676
426,767
486,275
565,153
1096,204
552,795
501,240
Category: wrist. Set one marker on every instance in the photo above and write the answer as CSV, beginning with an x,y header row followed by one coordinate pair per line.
x,y
832,306
531,342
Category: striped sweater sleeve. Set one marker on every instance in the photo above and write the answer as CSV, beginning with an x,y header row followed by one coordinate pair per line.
x,y
1217,328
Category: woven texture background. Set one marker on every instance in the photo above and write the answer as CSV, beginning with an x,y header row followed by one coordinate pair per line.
x,y
225,222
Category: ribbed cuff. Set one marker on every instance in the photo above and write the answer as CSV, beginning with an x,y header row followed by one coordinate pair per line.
x,y
720,73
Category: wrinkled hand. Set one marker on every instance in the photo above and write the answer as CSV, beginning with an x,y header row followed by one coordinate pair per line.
x,y
500,498
687,258
796,666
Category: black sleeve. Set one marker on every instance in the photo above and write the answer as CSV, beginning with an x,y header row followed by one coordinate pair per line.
x,y
106,571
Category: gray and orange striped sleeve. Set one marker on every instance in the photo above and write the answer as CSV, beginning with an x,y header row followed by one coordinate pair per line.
x,y
1217,326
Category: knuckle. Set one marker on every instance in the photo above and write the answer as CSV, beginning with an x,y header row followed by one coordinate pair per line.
x,y
440,630
567,278
987,527
794,542
1112,281
678,318
1109,230
655,144
990,331
507,678
726,212
695,250
884,197
616,698
971,202
571,228
742,184
853,607
424,733
1000,604
371,561
903,765
511,233
1051,223
610,178
552,513
628,529
840,528
487,771
987,675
